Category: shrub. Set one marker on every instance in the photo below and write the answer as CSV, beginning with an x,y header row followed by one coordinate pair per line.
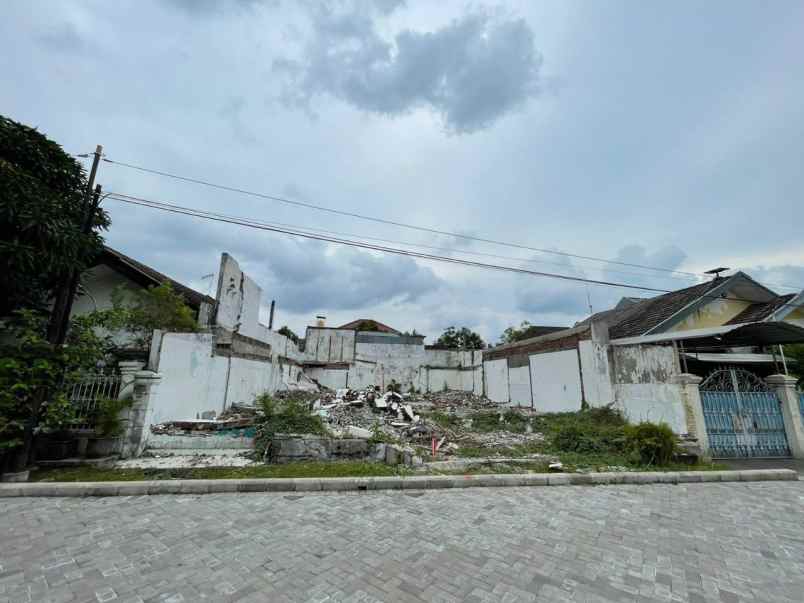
x,y
285,416
654,443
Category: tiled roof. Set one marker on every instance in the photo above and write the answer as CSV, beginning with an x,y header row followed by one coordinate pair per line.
x,y
147,276
376,326
757,312
641,317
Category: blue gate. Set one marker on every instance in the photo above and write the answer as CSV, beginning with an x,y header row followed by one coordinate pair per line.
x,y
743,415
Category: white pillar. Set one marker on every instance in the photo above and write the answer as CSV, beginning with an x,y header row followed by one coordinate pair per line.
x,y
785,387
693,409
145,386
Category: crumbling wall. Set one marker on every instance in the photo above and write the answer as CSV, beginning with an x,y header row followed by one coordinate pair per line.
x,y
644,387
596,374
556,381
238,299
329,345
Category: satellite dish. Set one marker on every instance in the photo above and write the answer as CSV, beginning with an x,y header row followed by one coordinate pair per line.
x,y
717,271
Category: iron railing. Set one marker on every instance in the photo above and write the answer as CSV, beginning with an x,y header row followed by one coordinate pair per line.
x,y
85,395
744,424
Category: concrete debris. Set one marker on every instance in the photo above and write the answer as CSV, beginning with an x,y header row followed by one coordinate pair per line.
x,y
556,467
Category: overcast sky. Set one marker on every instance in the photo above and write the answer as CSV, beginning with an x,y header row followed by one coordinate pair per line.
x,y
668,134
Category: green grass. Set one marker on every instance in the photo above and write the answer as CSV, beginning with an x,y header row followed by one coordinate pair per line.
x,y
311,469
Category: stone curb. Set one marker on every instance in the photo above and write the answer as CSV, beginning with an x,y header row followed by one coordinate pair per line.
x,y
359,484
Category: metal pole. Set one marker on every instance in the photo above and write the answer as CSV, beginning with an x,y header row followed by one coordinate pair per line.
x,y
784,360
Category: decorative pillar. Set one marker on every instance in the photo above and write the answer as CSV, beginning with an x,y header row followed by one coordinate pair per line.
x,y
785,387
693,409
145,387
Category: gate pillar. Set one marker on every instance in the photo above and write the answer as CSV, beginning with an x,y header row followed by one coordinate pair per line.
x,y
785,388
693,409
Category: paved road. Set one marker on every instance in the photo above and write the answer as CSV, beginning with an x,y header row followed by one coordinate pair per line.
x,y
697,542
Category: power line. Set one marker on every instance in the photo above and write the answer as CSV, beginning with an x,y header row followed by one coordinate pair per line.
x,y
392,222
247,222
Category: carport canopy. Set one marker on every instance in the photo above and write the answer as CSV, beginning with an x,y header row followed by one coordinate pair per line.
x,y
727,336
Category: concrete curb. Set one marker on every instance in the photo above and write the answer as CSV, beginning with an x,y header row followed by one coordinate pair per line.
x,y
360,484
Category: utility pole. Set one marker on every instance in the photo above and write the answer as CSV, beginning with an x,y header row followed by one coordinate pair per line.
x,y
63,305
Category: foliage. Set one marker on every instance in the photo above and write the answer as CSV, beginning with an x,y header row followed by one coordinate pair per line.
x,y
462,338
525,331
140,312
42,212
654,443
35,376
393,386
510,420
284,416
107,416
413,333
794,355
378,436
287,332
285,470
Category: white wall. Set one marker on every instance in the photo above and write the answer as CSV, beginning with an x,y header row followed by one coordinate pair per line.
x,y
644,387
193,380
556,381
495,374
656,402
519,385
597,384
329,345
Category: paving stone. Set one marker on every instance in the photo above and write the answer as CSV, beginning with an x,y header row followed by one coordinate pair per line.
x,y
697,542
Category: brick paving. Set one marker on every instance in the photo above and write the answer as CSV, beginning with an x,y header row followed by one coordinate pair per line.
x,y
698,542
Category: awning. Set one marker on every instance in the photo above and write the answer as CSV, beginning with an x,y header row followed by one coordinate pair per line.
x,y
727,336
732,358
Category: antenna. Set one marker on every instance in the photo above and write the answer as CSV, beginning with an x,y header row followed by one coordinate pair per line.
x,y
717,271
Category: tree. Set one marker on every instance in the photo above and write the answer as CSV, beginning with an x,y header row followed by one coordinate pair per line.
x,y
42,212
462,338
141,312
287,332
525,331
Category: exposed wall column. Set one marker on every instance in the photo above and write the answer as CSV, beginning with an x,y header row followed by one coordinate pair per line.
x,y
693,409
785,387
145,386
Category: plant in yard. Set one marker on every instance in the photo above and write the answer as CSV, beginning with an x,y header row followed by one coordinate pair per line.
x,y
284,416
36,377
108,423
653,443
42,214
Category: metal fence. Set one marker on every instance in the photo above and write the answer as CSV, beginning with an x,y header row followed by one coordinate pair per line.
x,y
85,396
801,404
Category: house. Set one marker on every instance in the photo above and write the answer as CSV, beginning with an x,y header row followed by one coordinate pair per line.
x,y
728,332
113,270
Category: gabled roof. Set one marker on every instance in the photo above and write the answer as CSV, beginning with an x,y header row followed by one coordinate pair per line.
x,y
761,311
147,276
644,316
376,325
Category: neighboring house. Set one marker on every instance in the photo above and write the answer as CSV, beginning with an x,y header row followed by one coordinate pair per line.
x,y
370,325
113,270
728,330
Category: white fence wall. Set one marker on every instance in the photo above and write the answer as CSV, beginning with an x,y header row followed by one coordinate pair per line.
x,y
519,385
495,374
556,381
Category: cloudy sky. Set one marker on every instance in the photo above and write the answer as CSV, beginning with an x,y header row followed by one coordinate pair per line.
x,y
662,134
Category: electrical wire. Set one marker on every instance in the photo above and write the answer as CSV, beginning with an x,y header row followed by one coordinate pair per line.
x,y
247,222
393,222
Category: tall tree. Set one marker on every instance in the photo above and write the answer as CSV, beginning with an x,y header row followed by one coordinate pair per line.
x,y
462,338
42,211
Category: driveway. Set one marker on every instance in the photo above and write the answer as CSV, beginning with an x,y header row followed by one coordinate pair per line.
x,y
697,542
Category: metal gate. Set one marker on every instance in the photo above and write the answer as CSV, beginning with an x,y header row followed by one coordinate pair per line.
x,y
743,415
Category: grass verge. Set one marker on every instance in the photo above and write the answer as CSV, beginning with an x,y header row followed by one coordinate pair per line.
x,y
334,469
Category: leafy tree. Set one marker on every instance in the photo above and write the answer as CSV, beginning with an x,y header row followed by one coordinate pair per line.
x,y
463,338
36,377
413,333
140,312
287,332
525,331
42,212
